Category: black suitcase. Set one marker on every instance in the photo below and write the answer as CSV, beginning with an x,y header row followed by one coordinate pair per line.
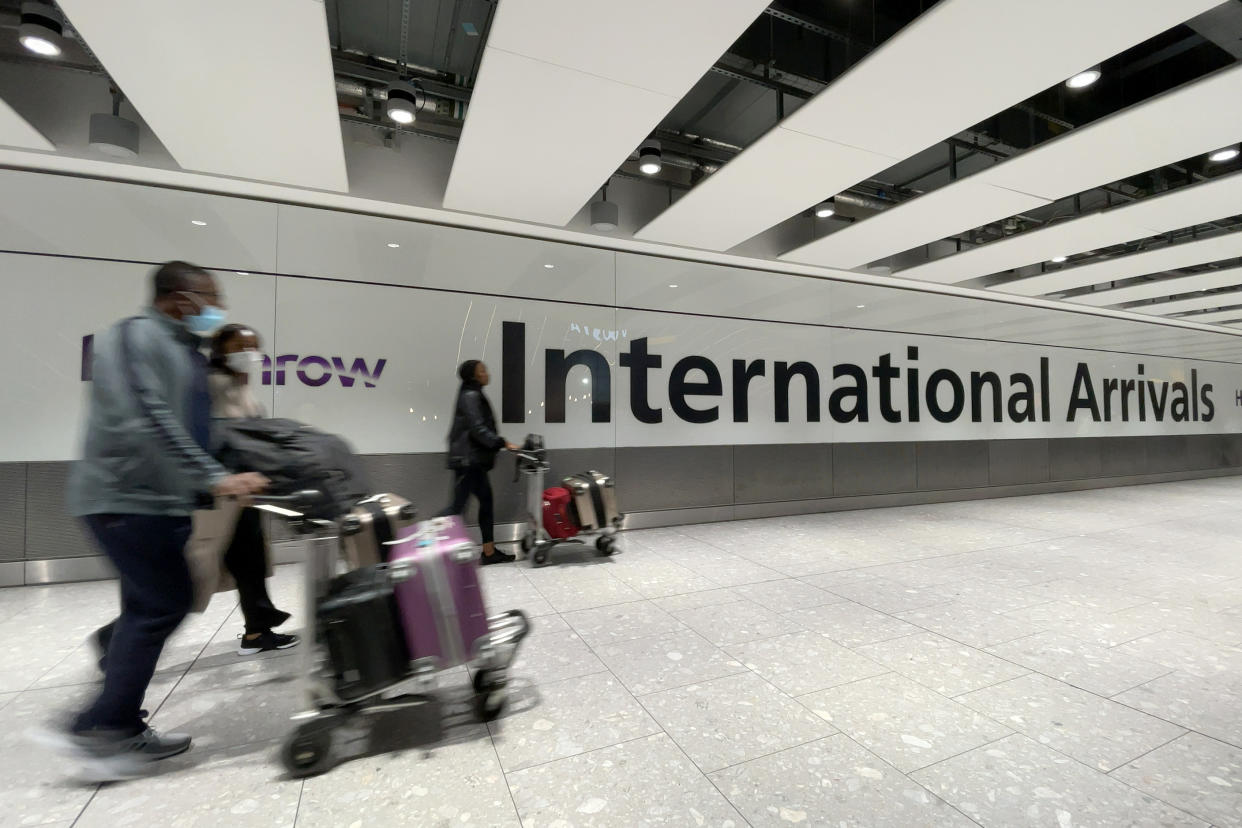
x,y
359,622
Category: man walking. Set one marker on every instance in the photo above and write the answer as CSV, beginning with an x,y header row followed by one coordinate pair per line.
x,y
144,470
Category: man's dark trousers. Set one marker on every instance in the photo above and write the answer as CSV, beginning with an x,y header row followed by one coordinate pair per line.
x,y
148,552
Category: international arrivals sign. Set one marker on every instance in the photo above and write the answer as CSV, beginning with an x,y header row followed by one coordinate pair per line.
x,y
895,386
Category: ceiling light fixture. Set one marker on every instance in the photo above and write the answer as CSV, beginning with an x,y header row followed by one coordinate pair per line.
x,y
1059,259
393,245
42,29
1225,154
549,266
860,307
650,157
198,222
113,135
605,216
826,208
1085,78
404,101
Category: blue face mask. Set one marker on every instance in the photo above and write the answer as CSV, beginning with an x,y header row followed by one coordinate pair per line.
x,y
205,321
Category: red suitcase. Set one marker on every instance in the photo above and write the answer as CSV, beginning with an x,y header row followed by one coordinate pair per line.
x,y
558,521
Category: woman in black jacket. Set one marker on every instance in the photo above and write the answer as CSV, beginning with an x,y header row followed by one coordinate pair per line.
x,y
473,445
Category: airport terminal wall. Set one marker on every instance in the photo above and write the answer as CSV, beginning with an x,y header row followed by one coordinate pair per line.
x,y
711,392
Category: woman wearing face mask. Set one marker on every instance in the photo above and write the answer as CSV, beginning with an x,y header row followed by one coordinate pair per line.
x,y
229,534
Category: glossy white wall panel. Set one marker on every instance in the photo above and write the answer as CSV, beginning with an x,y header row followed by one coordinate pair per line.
x,y
423,336
55,303
106,219
355,247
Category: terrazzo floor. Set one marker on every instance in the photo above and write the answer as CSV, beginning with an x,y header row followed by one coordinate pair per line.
x,y
1060,660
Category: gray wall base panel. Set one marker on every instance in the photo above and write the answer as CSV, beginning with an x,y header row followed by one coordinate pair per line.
x,y
12,511
12,573
918,498
873,468
952,464
796,471
1017,461
50,531
61,570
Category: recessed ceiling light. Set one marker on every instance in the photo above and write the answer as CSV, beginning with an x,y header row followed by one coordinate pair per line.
x,y
586,380
650,157
41,29
40,45
1084,79
393,245
825,208
672,286
1226,154
549,266
198,223
1058,259
860,307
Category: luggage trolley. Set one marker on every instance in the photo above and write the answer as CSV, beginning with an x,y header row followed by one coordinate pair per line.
x,y
532,467
308,749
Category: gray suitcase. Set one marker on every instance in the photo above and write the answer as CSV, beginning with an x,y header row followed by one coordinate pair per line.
x,y
594,496
371,526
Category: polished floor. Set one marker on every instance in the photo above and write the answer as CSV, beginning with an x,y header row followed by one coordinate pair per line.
x,y
1061,660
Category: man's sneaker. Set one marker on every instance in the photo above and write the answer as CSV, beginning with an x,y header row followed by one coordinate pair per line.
x,y
266,641
106,757
496,557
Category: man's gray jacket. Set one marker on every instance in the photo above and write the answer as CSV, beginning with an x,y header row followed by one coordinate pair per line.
x,y
141,457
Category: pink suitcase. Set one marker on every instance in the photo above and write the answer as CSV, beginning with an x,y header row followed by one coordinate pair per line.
x,y
435,570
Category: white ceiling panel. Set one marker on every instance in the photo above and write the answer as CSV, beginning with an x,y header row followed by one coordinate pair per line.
x,y
1162,287
1191,120
1065,238
1211,300
509,149
653,44
895,102
943,212
783,165
1094,155
1214,318
231,87
1186,206
16,131
569,89
1188,254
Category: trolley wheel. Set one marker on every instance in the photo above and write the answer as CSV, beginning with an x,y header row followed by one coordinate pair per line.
x,y
489,696
528,541
541,555
308,749
605,544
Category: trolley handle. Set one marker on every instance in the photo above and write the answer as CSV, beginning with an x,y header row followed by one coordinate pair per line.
x,y
293,508
528,460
